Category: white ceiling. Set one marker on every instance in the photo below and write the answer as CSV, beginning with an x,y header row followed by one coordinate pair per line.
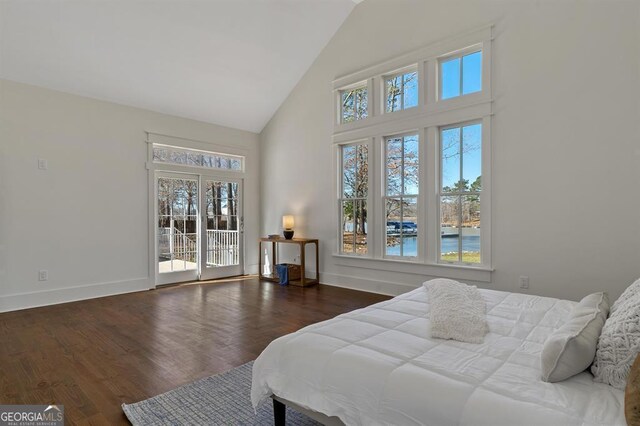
x,y
228,62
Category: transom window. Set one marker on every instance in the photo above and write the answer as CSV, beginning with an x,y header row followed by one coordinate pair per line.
x,y
460,188
401,195
196,158
460,75
353,104
402,91
354,163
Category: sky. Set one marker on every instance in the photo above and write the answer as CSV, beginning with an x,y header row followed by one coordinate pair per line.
x,y
471,136
471,68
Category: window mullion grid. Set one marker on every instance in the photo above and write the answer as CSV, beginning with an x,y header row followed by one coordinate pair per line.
x,y
459,227
385,184
460,183
461,74
341,197
355,194
401,198
360,210
384,216
355,105
387,92
402,195
353,225
402,102
387,197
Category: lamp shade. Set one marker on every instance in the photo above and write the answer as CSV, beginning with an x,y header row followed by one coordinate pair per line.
x,y
287,222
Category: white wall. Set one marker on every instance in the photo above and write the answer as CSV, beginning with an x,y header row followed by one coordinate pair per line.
x,y
566,139
85,218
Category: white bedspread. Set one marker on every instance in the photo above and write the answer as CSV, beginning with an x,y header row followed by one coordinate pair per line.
x,y
377,366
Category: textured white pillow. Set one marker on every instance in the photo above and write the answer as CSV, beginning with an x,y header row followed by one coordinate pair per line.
x,y
629,294
456,311
571,348
619,341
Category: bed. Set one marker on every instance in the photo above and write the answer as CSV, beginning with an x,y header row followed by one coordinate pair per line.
x,y
378,366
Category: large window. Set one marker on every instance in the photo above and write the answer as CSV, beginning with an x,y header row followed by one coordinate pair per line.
x,y
353,104
354,161
401,91
401,195
460,188
414,178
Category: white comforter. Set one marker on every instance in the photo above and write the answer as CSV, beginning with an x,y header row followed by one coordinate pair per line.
x,y
378,366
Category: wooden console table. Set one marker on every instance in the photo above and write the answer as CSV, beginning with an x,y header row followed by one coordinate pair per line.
x,y
302,248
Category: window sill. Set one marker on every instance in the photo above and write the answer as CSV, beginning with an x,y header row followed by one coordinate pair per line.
x,y
453,271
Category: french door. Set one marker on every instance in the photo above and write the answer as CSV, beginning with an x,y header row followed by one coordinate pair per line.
x,y
199,227
222,228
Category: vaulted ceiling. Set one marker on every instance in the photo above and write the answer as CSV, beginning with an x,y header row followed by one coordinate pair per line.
x,y
228,62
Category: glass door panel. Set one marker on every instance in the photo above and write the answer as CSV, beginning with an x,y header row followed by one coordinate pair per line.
x,y
222,242
177,228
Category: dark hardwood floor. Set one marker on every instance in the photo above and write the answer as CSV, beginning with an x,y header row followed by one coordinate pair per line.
x,y
93,355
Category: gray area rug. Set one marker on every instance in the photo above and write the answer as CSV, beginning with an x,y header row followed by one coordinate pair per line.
x,y
223,399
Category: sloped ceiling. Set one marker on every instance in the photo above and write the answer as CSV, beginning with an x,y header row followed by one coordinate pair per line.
x,y
228,62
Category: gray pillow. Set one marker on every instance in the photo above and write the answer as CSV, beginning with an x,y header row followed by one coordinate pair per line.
x,y
619,341
571,348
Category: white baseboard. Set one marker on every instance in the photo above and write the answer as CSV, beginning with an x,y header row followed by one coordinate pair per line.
x,y
363,284
251,269
19,301
14,302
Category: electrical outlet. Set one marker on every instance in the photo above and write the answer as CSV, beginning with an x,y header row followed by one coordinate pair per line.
x,y
524,281
43,164
43,275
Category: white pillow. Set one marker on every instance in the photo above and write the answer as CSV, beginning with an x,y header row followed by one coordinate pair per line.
x,y
630,292
571,348
456,311
619,341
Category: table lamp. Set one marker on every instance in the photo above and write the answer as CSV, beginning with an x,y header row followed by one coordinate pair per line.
x,y
287,224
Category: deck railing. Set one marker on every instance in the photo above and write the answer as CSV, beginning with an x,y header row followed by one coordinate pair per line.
x,y
183,246
222,246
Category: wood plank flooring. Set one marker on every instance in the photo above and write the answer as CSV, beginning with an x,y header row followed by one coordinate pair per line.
x,y
93,355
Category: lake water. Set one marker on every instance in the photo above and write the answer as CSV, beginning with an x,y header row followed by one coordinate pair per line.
x,y
469,243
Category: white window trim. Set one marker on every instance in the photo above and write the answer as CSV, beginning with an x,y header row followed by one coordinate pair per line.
x,y
428,195
192,144
241,158
426,60
338,101
428,117
338,176
153,167
455,55
440,194
383,88
418,197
